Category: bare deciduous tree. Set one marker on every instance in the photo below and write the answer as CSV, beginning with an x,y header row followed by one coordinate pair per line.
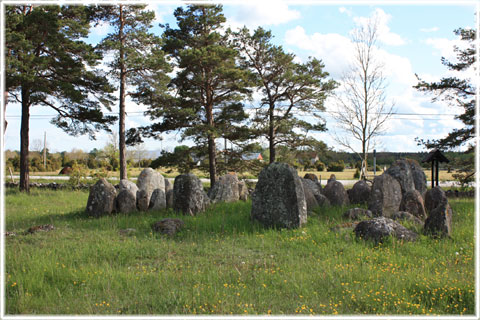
x,y
362,107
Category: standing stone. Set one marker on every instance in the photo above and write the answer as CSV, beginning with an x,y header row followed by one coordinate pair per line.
x,y
125,201
359,193
279,198
168,185
335,193
406,216
128,185
412,202
242,190
101,200
379,228
409,174
419,177
142,200
188,195
332,178
439,221
313,194
311,176
169,199
225,189
434,197
385,196
158,200
150,180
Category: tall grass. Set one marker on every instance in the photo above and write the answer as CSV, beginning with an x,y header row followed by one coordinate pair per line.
x,y
224,263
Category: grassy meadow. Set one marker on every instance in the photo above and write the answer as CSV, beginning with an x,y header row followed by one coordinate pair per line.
x,y
223,263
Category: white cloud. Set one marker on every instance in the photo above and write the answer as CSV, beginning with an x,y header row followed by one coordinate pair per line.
x,y
384,34
262,13
346,11
432,29
101,29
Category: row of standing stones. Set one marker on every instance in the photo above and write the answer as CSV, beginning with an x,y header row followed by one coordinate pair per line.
x,y
153,192
282,199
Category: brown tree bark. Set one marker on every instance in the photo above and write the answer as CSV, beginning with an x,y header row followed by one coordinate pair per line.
x,y
123,76
24,139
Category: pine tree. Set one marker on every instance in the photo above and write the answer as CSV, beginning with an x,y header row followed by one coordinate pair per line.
x,y
138,63
291,91
209,85
48,64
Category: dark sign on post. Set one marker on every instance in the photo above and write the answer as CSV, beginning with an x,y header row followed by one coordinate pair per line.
x,y
435,157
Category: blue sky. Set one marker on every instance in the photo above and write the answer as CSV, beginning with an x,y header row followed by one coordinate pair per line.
x,y
413,38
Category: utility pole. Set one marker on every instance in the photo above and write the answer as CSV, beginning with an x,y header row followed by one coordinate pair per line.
x,y
45,150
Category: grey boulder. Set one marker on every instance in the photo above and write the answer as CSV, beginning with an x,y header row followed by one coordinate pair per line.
x,y
279,198
225,189
377,229
101,199
412,202
385,196
335,193
188,195
359,193
158,200
150,180
357,214
125,201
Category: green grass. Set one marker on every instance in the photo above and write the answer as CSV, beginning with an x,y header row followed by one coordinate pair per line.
x,y
223,263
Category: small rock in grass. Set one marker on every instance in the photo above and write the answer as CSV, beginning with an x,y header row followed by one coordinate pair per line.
x,y
42,228
168,226
357,214
379,228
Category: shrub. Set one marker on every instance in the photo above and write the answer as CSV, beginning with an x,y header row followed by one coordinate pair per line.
x,y
356,175
320,165
78,175
336,166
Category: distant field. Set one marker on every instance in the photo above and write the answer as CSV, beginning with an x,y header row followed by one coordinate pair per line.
x,y
347,174
222,263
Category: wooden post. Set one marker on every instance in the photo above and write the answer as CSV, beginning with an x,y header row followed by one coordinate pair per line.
x,y
433,175
11,174
436,171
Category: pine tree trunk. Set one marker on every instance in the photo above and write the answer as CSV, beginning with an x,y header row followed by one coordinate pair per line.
x,y
24,139
271,135
211,147
121,130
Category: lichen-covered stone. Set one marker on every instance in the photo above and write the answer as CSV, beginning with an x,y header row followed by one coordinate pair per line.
x,y
409,174
311,176
406,216
150,180
101,199
279,198
242,191
225,189
336,193
169,199
168,226
439,221
188,195
385,196
377,229
158,200
126,201
434,197
359,193
142,200
412,202
128,185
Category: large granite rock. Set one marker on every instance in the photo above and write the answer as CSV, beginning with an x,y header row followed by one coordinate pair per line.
x,y
439,221
127,185
225,189
385,196
433,198
169,199
125,201
150,180
158,200
409,174
379,228
311,176
412,202
279,198
359,193
188,195
142,200
101,200
313,194
335,193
